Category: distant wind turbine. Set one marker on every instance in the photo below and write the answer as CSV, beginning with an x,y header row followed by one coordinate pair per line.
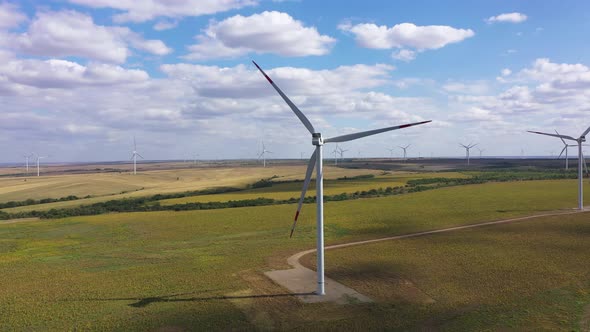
x,y
480,152
27,156
38,160
316,161
405,148
580,140
565,149
341,152
335,153
134,156
263,154
391,153
467,148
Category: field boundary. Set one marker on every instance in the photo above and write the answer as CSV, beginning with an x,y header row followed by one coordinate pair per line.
x,y
298,269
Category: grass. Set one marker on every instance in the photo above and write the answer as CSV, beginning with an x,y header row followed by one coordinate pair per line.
x,y
171,270
529,275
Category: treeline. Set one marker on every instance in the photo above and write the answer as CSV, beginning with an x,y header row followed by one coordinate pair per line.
x,y
12,204
151,203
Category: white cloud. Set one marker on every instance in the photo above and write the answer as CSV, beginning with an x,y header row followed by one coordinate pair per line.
x,y
10,16
145,10
65,74
70,33
404,55
472,88
506,72
165,25
406,35
267,32
507,17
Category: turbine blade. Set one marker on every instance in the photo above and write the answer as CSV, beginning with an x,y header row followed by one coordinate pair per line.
x,y
586,132
561,138
565,147
310,167
140,156
296,110
134,145
351,137
553,135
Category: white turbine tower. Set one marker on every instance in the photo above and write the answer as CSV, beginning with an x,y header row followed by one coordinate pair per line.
x,y
27,156
467,148
315,162
405,148
581,160
263,154
134,156
38,157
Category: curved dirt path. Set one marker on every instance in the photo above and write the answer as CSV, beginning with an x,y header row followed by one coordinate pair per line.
x,y
296,279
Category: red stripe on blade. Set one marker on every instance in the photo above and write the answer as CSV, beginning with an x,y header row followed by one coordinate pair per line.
x,y
296,215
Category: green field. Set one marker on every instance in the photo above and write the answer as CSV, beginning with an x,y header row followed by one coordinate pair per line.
x,y
171,270
524,276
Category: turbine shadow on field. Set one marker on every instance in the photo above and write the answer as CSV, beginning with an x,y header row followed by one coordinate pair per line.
x,y
145,301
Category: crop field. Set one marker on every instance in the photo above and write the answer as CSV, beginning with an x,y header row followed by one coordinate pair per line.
x,y
107,186
203,269
331,187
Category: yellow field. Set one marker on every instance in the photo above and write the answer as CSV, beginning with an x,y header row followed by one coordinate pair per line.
x,y
331,187
105,186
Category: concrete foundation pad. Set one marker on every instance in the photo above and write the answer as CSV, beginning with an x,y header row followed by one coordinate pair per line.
x,y
302,281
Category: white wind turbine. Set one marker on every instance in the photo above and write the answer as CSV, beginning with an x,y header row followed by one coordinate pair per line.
x,y
405,148
341,152
134,156
316,162
480,152
565,148
38,157
335,153
263,154
581,160
27,156
467,148
391,153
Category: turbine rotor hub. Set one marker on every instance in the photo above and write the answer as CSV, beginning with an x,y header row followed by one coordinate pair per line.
x,y
317,139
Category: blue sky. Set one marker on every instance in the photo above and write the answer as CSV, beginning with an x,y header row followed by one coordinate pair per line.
x,y
80,78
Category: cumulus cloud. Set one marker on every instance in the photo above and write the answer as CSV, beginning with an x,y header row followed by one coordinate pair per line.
x,y
406,35
65,74
70,33
404,55
507,17
267,32
141,11
10,16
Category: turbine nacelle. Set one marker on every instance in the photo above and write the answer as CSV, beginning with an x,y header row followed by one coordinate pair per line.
x,y
317,139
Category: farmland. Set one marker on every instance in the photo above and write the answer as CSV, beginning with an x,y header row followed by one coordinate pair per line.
x,y
203,269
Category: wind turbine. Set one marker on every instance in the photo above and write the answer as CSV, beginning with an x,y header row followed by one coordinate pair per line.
x,y
391,153
263,154
134,156
341,152
195,157
315,162
405,148
581,160
467,148
335,153
565,148
480,152
38,159
27,156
